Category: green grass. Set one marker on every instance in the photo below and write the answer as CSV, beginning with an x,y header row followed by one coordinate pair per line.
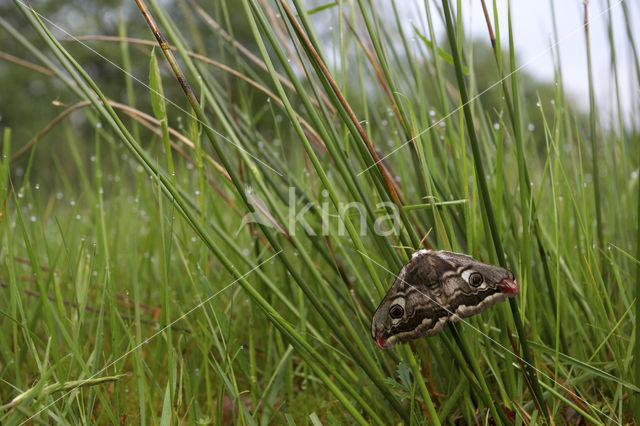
x,y
133,290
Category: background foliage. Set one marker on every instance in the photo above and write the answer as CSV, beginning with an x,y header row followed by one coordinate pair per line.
x,y
124,212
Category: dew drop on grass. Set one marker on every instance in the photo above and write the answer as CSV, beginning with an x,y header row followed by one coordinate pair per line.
x,y
20,195
553,101
93,158
59,196
538,104
193,239
32,218
432,113
197,192
98,125
531,127
77,217
496,126
37,186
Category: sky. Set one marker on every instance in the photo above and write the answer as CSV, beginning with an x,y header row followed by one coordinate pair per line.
x,y
533,32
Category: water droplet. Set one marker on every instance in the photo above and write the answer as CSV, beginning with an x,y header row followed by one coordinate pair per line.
x,y
538,104
72,203
496,126
77,217
59,196
32,218
98,125
531,127
93,158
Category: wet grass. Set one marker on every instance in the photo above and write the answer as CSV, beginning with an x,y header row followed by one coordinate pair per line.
x,y
137,291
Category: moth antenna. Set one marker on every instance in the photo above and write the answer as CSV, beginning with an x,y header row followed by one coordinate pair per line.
x,y
425,236
404,247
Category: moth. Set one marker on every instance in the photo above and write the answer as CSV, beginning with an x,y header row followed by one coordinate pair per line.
x,y
436,287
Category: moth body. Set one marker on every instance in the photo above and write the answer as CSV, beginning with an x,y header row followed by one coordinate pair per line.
x,y
436,287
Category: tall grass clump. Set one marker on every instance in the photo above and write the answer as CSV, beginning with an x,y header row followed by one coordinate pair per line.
x,y
208,237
